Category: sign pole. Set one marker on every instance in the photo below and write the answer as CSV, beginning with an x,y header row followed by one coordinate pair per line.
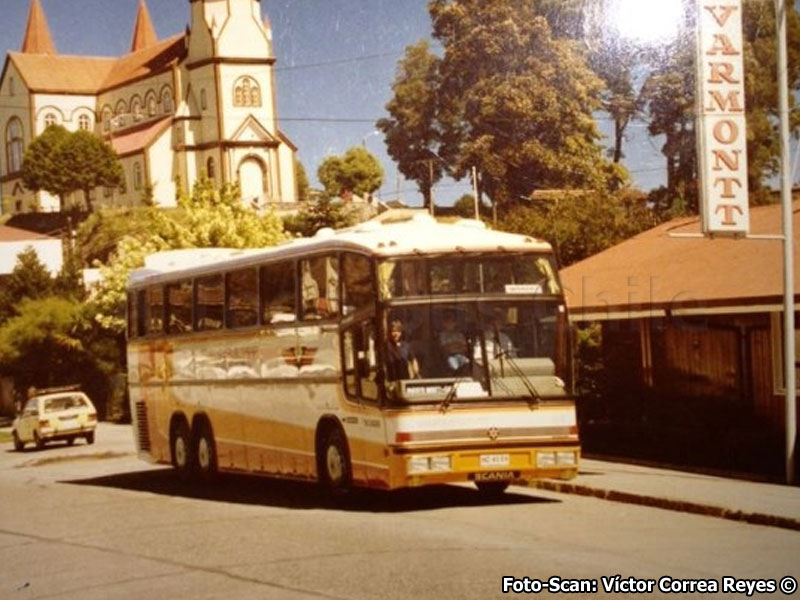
x,y
788,246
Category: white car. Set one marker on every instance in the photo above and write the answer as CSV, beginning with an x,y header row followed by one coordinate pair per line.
x,y
50,417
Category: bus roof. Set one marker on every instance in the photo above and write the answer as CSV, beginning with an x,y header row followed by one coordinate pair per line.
x,y
385,236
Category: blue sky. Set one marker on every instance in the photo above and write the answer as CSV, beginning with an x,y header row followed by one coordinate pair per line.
x,y
336,61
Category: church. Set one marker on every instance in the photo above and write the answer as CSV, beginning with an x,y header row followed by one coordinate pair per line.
x,y
197,104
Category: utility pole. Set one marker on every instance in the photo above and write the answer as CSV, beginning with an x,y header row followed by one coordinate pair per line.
x,y
788,246
430,174
475,192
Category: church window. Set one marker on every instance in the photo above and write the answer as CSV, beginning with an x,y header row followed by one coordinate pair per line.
x,y
246,92
137,176
49,120
14,145
203,100
151,106
136,108
166,100
121,108
84,123
211,168
107,114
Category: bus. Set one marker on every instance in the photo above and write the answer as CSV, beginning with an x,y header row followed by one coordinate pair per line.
x,y
395,353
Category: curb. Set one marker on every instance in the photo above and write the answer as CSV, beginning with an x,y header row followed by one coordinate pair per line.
x,y
668,504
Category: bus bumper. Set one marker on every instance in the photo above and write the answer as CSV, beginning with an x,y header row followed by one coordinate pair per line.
x,y
413,469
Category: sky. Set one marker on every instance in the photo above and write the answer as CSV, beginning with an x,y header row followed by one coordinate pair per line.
x,y
336,60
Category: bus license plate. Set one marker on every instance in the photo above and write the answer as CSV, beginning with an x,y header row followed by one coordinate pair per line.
x,y
491,461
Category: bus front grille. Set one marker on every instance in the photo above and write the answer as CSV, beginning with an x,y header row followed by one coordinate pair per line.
x,y
143,427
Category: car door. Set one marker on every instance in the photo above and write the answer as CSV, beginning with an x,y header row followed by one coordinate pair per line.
x,y
28,420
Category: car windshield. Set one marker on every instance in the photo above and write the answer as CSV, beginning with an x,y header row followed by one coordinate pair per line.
x,y
480,349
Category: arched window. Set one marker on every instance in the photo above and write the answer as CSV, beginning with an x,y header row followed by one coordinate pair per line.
x,y
84,123
121,108
49,120
107,116
136,108
151,106
137,176
246,92
203,100
211,168
166,100
14,146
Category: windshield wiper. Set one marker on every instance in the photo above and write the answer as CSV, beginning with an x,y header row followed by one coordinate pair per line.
x,y
503,353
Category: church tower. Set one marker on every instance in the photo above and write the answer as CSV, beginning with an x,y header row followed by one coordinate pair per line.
x,y
230,66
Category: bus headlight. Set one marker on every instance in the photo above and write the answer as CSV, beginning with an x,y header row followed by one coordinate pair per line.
x,y
418,464
566,458
545,460
440,463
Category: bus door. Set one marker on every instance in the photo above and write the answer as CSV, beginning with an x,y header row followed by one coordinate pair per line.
x,y
363,423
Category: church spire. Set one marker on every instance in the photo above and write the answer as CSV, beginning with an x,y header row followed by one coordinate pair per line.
x,y
144,34
37,34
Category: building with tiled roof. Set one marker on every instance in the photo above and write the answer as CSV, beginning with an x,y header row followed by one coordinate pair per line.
x,y
692,319
197,103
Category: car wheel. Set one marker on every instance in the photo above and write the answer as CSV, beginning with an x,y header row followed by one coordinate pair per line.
x,y
19,445
492,488
336,474
38,441
70,441
89,438
205,451
181,448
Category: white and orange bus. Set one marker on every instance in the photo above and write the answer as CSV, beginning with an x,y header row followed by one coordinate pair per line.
x,y
391,354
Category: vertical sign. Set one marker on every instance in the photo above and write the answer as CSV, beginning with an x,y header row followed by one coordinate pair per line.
x,y
721,127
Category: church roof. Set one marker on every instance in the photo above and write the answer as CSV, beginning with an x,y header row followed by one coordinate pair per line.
x,y
140,138
144,34
14,234
47,73
37,34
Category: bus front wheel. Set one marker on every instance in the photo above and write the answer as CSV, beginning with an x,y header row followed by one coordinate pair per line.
x,y
335,470
181,448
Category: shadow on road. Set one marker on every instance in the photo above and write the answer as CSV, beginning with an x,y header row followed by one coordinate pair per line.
x,y
264,491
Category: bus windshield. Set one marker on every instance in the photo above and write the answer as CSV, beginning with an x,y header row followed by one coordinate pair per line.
x,y
476,350
508,273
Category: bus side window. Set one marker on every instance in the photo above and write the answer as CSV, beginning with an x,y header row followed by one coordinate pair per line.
x,y
242,305
278,293
133,315
357,283
209,295
155,310
319,287
179,307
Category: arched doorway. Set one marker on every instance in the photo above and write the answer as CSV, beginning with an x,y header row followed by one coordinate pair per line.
x,y
252,179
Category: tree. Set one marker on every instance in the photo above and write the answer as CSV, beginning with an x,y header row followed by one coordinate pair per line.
x,y
61,162
318,214
579,225
669,95
412,131
29,279
209,217
357,171
42,167
302,181
515,102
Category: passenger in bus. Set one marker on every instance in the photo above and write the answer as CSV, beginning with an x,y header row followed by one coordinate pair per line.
x,y
401,363
498,343
453,343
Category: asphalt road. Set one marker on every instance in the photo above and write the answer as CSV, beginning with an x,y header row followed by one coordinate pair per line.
x,y
95,522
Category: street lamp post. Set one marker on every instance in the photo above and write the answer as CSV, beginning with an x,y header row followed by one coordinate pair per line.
x,y
788,245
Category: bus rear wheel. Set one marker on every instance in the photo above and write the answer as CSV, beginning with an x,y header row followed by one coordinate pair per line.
x,y
334,463
205,451
181,448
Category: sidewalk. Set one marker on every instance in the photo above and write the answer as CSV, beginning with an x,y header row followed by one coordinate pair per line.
x,y
752,502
